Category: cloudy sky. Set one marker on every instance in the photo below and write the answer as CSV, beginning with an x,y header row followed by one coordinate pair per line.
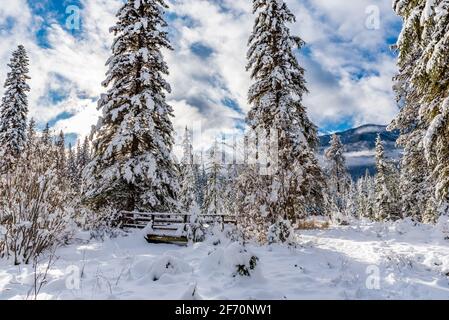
x,y
348,61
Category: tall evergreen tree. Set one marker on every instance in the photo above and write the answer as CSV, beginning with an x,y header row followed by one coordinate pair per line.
x,y
434,84
132,165
14,109
72,169
214,197
339,182
387,197
295,186
187,194
31,131
366,196
414,182
46,136
61,157
422,88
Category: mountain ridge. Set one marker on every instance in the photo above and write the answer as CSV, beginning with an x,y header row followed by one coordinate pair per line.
x,y
359,146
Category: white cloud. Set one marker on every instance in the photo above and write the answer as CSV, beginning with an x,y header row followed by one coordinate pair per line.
x,y
341,50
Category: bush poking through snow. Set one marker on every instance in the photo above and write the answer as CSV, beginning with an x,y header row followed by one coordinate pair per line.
x,y
168,265
281,232
246,269
233,260
244,261
340,218
192,293
195,230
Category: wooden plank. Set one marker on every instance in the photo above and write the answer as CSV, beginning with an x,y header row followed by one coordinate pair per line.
x,y
167,239
134,226
168,220
141,219
158,214
168,227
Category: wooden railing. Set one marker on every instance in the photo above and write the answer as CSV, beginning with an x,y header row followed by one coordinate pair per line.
x,y
139,220
169,227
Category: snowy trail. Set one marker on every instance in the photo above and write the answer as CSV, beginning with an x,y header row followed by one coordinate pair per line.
x,y
410,262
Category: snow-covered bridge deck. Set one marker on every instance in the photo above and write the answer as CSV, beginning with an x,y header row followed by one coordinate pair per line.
x,y
169,227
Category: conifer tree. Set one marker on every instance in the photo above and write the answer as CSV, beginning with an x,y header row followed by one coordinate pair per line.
x,y
132,166
295,187
46,136
187,194
14,110
339,181
366,196
387,198
200,179
31,132
433,83
61,157
72,169
213,198
422,89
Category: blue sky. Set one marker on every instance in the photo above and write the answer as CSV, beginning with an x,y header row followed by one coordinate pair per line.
x,y
348,62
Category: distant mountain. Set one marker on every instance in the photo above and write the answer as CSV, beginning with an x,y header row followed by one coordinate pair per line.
x,y
360,147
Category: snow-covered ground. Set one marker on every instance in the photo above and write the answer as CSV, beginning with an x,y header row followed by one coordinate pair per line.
x,y
367,261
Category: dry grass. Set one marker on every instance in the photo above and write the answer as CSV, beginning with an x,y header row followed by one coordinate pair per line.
x,y
312,225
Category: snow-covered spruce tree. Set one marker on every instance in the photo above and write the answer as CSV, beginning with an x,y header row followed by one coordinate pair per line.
x,y
339,181
415,186
422,86
296,186
31,133
387,198
72,169
360,197
230,191
200,178
432,83
132,166
83,156
251,220
351,209
14,110
187,193
214,197
365,196
46,135
61,157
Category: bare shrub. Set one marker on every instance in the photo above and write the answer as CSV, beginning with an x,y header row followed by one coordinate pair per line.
x,y
312,225
33,202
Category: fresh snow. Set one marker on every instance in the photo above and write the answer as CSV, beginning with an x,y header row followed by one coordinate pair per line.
x,y
412,263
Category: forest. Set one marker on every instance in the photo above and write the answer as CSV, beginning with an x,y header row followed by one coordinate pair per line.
x,y
286,203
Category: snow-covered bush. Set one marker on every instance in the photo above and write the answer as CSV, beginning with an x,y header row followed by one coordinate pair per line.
x,y
247,266
442,227
233,259
218,234
340,218
33,214
168,264
195,230
35,201
102,223
404,226
281,232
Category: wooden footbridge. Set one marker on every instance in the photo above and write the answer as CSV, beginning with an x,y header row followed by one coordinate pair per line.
x,y
169,227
